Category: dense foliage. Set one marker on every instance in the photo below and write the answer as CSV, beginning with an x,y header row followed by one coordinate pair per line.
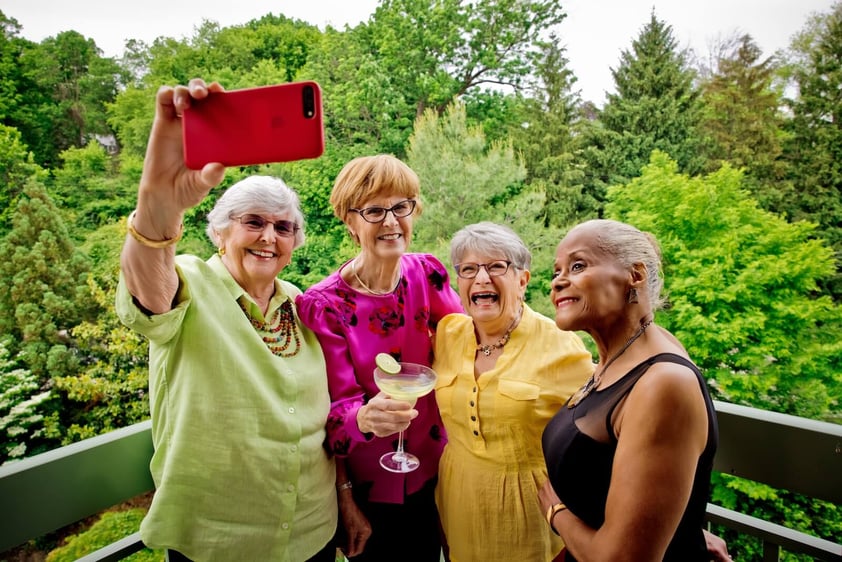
x,y
734,165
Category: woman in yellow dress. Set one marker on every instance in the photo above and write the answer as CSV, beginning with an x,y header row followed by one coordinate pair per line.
x,y
503,371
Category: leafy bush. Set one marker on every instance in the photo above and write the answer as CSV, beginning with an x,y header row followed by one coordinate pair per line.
x,y
111,527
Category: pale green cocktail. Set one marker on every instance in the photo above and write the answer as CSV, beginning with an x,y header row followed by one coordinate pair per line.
x,y
412,382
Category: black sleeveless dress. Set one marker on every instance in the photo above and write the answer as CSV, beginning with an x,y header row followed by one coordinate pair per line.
x,y
579,446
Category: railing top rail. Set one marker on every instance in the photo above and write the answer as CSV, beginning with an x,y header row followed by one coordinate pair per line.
x,y
48,491
780,450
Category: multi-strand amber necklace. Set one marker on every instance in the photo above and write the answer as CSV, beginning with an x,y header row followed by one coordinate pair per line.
x,y
279,332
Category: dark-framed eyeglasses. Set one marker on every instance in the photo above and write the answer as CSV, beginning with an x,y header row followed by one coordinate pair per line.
x,y
256,223
493,269
378,214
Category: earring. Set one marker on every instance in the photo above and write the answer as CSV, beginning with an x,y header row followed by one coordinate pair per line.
x,y
632,296
221,251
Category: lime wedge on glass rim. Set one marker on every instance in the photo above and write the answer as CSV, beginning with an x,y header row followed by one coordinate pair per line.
x,y
387,364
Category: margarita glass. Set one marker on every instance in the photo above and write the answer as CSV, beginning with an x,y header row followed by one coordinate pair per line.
x,y
411,383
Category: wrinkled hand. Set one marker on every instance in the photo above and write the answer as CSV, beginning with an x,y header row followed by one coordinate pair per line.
x,y
167,186
356,525
384,416
717,548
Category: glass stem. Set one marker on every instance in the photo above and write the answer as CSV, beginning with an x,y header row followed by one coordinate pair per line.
x,y
399,453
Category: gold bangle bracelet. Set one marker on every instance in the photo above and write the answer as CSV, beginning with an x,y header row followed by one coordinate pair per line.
x,y
552,511
152,243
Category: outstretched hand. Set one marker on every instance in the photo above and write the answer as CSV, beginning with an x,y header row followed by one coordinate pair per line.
x,y
167,186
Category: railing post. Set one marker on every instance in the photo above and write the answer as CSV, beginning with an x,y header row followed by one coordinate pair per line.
x,y
771,552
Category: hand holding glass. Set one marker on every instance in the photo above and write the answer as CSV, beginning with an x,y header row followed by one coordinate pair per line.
x,y
412,382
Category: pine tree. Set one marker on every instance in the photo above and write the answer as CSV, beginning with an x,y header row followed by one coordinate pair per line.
x,y
655,107
546,138
42,284
815,145
742,122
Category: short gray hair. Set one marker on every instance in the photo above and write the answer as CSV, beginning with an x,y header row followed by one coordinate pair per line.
x,y
258,195
490,238
629,245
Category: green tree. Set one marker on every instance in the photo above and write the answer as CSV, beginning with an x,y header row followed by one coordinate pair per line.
x,y
815,144
72,82
741,284
436,50
88,191
109,388
465,180
546,135
42,285
17,165
742,121
363,108
655,107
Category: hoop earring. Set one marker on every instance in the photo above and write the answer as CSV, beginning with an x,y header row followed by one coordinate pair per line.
x,y
632,299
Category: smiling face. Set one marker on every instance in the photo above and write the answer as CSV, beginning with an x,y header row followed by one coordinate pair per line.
x,y
386,240
589,285
255,258
492,301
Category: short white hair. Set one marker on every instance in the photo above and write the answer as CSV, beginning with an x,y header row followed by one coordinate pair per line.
x,y
259,195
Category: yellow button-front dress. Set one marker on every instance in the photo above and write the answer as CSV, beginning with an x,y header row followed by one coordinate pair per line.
x,y
493,465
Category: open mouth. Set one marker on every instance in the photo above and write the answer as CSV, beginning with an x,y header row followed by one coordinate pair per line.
x,y
390,237
485,298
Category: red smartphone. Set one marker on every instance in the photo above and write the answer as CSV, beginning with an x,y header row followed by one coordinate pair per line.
x,y
260,125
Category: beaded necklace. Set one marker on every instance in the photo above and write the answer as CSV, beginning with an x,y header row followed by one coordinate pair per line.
x,y
279,332
592,382
486,349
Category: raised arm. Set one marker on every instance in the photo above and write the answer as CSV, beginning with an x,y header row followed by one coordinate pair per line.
x,y
167,189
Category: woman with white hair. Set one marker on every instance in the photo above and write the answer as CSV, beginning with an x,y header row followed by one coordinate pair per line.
x,y
237,385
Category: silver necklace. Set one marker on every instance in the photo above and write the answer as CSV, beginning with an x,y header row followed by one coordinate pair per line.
x,y
593,382
486,349
369,289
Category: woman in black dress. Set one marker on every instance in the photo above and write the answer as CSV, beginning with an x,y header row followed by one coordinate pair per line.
x,y
630,456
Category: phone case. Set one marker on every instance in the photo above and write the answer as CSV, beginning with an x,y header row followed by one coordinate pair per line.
x,y
254,126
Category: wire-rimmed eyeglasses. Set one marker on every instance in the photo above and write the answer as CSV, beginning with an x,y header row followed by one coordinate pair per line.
x,y
493,269
256,223
378,214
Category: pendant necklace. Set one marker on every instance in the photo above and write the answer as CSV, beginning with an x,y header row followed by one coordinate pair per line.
x,y
592,382
279,332
369,289
486,349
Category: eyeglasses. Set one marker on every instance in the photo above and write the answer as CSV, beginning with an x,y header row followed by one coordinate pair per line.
x,y
256,223
493,269
378,214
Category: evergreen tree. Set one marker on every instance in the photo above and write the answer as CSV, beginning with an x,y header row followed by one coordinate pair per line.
x,y
17,166
42,285
466,180
742,121
546,136
655,107
815,146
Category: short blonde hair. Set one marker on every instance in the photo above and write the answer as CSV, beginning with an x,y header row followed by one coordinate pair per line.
x,y
367,177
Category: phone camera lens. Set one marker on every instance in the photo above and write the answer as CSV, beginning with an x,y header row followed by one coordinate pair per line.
x,y
308,101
